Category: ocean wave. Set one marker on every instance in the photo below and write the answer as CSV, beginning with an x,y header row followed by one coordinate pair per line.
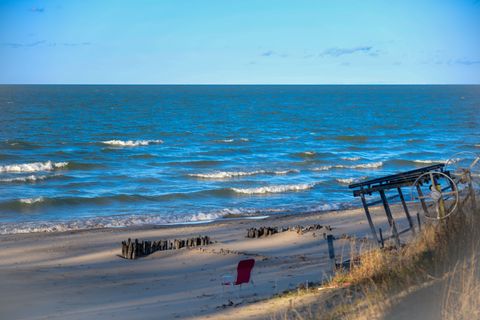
x,y
32,200
232,140
352,138
131,143
33,167
275,188
30,178
235,174
351,158
18,145
429,161
306,154
350,180
371,165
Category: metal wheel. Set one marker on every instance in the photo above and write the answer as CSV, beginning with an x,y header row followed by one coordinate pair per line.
x,y
436,193
464,167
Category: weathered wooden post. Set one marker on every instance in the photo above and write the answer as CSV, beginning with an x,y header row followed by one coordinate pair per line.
x,y
381,237
419,222
331,252
391,221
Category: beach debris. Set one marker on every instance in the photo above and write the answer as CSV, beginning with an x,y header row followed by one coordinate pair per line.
x,y
136,249
268,231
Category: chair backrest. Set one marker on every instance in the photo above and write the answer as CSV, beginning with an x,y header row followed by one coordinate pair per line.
x,y
244,270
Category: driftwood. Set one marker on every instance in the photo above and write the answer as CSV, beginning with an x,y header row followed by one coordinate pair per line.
x,y
268,231
135,249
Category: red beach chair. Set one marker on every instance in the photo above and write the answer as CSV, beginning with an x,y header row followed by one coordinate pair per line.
x,y
244,274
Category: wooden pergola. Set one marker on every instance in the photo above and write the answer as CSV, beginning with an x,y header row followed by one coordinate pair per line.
x,y
395,181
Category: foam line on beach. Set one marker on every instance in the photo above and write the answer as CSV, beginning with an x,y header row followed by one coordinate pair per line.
x,y
121,221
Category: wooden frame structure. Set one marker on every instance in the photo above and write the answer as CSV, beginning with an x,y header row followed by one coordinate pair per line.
x,y
380,185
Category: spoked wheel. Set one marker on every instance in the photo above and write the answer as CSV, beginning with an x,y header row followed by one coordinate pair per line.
x,y
464,167
436,193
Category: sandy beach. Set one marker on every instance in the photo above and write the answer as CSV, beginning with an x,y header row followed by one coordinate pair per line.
x,y
80,275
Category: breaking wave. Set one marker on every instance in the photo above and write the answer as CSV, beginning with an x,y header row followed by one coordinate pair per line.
x,y
429,161
30,178
275,188
32,200
33,167
235,174
350,180
131,143
351,158
232,140
371,165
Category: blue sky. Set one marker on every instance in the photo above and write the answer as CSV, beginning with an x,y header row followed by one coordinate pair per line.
x,y
240,42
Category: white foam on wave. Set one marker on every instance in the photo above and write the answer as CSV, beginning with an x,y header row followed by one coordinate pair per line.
x,y
429,161
32,200
275,188
33,167
351,158
371,165
30,178
307,154
232,140
350,180
131,143
234,174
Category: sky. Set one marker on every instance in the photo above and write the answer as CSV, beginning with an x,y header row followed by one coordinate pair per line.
x,y
240,42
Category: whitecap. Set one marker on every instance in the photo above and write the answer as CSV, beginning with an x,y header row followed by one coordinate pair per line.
x,y
30,178
350,180
232,140
351,158
429,161
371,165
131,143
32,200
235,174
33,167
275,188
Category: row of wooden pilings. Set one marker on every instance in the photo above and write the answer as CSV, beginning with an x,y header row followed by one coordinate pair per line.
x,y
136,249
268,231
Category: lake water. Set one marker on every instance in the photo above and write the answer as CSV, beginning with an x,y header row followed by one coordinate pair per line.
x,y
100,156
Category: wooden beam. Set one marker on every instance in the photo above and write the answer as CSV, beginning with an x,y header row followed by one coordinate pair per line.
x,y
424,205
369,218
405,208
391,221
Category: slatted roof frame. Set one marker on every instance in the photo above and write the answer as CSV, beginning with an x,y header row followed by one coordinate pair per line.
x,y
380,185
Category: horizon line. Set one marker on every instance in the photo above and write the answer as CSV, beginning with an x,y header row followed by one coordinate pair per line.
x,y
239,84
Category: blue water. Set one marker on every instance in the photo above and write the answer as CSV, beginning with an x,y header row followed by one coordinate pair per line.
x,y
95,156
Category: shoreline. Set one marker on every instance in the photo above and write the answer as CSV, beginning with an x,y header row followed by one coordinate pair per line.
x,y
78,274
49,224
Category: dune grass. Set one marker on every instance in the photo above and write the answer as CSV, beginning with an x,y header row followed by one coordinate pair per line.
x,y
443,255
